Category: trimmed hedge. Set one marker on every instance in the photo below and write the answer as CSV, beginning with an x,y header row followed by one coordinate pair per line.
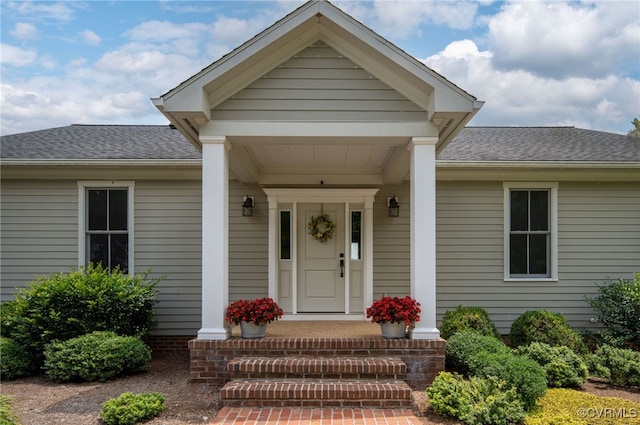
x,y
562,366
463,348
66,305
467,318
129,408
547,327
15,362
97,356
519,372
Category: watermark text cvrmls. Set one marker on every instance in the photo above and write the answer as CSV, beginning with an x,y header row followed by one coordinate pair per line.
x,y
607,412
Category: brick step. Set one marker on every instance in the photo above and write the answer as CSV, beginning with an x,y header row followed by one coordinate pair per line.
x,y
316,393
318,367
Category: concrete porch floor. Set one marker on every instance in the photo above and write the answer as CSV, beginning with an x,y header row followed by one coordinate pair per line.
x,y
318,329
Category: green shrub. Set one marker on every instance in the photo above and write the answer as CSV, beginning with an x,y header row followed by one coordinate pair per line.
x,y
563,367
7,417
129,408
547,327
618,309
66,305
15,362
467,318
619,366
481,401
97,356
561,406
463,347
523,374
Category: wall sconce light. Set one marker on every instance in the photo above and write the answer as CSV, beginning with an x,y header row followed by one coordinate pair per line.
x,y
394,206
247,206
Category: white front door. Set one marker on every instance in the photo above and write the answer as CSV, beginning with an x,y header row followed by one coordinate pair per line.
x,y
321,280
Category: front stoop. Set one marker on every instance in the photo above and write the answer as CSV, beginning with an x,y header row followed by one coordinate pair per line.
x,y
423,359
316,393
318,367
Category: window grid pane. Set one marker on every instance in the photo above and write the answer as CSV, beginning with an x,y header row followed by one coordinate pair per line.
x,y
529,241
107,223
356,235
285,235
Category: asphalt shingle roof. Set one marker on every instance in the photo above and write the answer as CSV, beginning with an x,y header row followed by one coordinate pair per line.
x,y
82,142
540,144
155,142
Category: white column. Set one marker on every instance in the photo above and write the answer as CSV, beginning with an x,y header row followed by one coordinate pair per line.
x,y
273,246
423,234
367,227
215,238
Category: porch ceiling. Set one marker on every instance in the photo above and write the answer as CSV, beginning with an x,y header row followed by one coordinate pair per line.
x,y
312,160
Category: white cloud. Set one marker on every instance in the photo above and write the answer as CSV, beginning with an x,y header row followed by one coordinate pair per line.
x,y
91,38
16,56
57,11
401,18
519,97
559,40
24,31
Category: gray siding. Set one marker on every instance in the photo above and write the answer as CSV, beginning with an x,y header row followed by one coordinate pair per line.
x,y
39,235
168,223
598,239
248,244
391,244
318,84
38,230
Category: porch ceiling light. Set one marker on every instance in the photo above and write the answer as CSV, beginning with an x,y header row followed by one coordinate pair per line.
x,y
247,206
394,206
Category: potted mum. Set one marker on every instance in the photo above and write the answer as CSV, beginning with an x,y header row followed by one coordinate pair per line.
x,y
253,316
394,315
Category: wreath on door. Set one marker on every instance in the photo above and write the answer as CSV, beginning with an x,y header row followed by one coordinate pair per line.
x,y
321,228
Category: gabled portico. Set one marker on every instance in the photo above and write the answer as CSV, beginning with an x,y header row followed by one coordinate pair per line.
x,y
317,109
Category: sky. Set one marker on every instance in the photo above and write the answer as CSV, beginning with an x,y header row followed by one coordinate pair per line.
x,y
533,63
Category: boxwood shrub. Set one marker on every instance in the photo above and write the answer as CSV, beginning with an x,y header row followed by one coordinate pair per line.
x,y
129,408
15,362
463,348
479,401
66,305
523,374
547,327
562,366
467,318
97,356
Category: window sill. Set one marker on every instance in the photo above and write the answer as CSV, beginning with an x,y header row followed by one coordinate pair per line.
x,y
531,279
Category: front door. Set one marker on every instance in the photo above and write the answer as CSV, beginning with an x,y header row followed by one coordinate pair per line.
x,y
321,282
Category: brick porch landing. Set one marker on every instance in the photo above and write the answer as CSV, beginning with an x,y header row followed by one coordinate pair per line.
x,y
317,340
320,416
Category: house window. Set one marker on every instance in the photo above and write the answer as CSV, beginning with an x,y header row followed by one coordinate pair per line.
x,y
356,235
530,232
285,235
106,225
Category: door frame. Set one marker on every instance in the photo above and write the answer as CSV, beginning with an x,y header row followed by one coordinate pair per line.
x,y
294,196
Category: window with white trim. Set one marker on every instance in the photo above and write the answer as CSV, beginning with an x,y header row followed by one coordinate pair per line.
x,y
106,225
530,231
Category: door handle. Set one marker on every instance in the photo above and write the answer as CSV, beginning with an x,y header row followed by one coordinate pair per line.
x,y
342,264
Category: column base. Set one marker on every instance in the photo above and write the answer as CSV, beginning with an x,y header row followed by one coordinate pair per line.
x,y
425,333
214,334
